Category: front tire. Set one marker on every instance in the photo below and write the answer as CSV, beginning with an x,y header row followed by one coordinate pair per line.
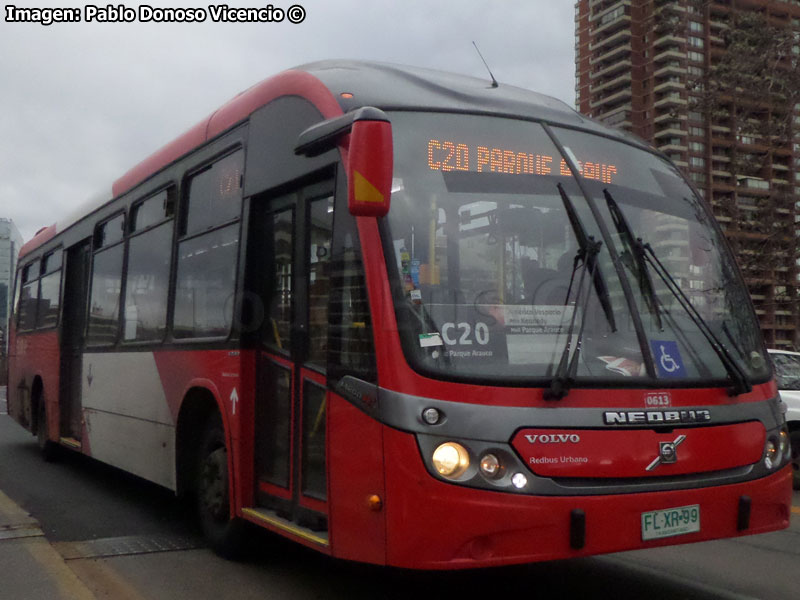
x,y
224,533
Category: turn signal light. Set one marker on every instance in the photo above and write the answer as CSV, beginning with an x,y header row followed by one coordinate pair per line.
x,y
491,466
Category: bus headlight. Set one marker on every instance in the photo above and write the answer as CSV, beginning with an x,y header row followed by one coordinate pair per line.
x,y
772,456
784,445
450,460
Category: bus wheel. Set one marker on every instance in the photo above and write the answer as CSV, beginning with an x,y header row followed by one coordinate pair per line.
x,y
47,448
224,534
794,439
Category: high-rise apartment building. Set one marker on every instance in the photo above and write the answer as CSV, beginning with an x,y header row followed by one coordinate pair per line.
x,y
10,243
653,67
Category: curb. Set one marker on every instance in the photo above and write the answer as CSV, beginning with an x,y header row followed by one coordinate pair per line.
x,y
36,563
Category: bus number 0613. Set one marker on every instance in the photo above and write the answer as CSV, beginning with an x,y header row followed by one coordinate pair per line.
x,y
464,334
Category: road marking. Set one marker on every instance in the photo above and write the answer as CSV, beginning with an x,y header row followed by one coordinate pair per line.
x,y
796,510
92,560
22,531
12,515
54,566
104,580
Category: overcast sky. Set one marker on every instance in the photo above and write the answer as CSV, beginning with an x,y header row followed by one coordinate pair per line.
x,y
80,103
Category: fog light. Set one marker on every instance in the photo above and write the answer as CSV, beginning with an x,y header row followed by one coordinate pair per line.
x,y
450,460
490,466
519,481
772,457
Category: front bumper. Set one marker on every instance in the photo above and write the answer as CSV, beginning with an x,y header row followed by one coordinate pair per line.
x,y
433,524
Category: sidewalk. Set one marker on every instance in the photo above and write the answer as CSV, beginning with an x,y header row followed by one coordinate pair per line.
x,y
31,567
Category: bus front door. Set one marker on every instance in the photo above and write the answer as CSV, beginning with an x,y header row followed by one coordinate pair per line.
x,y
76,291
294,233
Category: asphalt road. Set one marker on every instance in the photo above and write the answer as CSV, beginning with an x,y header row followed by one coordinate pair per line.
x,y
125,538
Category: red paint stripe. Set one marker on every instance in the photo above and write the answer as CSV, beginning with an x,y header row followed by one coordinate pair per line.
x,y
43,235
295,83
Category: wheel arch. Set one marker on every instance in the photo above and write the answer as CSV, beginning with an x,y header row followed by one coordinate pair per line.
x,y
199,404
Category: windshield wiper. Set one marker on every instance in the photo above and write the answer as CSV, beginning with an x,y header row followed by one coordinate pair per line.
x,y
588,250
567,367
741,385
634,251
584,242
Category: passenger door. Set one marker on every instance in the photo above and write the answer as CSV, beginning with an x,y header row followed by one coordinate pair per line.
x,y
295,229
76,291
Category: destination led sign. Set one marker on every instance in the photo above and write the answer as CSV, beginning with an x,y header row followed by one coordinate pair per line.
x,y
446,155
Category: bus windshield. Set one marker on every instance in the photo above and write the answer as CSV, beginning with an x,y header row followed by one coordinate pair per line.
x,y
501,268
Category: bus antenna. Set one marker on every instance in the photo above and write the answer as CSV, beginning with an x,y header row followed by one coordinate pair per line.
x,y
494,81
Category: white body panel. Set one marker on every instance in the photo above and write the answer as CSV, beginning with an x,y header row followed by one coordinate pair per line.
x,y
128,421
791,398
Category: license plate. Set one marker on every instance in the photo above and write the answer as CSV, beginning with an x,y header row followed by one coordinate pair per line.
x,y
659,524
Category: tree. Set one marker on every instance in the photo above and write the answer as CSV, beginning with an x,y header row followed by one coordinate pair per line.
x,y
751,89
756,81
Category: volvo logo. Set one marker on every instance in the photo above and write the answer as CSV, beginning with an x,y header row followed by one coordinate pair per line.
x,y
553,438
667,453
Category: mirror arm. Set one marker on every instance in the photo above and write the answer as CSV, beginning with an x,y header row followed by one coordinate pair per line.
x,y
324,136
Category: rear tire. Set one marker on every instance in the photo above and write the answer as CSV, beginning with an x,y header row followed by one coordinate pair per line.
x,y
47,448
794,439
225,535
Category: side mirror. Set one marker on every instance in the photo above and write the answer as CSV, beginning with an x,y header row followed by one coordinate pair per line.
x,y
369,156
369,168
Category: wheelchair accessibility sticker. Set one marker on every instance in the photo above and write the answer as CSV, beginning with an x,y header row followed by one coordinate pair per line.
x,y
668,358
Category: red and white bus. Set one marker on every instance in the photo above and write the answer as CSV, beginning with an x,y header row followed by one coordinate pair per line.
x,y
541,349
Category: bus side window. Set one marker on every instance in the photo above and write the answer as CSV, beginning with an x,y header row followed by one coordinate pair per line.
x,y
205,284
29,297
207,253
17,290
106,282
49,291
147,274
27,306
215,195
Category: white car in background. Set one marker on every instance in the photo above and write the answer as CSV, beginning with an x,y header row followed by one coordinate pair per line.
x,y
787,373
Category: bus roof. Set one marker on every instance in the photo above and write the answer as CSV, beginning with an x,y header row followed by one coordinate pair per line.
x,y
336,87
397,87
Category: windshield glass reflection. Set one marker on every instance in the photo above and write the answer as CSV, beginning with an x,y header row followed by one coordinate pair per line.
x,y
486,260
